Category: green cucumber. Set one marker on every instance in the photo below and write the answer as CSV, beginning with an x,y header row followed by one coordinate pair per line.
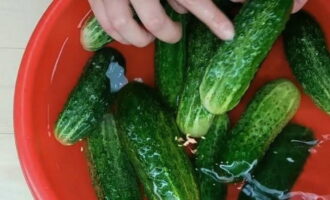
x,y
266,115
112,174
92,35
170,63
276,174
309,58
148,133
89,100
192,118
207,156
235,63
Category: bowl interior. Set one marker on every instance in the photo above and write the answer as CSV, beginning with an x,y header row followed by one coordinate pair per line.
x,y
51,67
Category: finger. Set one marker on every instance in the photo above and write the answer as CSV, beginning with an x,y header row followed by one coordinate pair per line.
x,y
120,15
208,13
298,4
99,12
177,7
154,18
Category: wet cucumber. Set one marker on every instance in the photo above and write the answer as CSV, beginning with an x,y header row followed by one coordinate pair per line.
x,y
89,100
112,174
148,133
192,118
276,174
92,36
170,63
235,63
207,157
309,58
266,115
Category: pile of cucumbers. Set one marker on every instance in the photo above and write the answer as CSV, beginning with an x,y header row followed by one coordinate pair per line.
x,y
137,136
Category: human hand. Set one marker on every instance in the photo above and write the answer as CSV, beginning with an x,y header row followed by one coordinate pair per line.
x,y
116,18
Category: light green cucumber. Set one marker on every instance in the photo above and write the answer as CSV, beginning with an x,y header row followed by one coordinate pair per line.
x,y
192,118
269,111
92,35
230,71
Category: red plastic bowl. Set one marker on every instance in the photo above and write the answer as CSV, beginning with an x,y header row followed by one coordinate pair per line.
x,y
50,68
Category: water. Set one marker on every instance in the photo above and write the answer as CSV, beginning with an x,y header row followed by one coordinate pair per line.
x,y
253,188
59,55
116,75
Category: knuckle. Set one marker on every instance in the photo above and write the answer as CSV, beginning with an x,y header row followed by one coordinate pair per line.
x,y
119,23
108,28
155,24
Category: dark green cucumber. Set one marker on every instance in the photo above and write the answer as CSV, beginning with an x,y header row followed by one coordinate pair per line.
x,y
276,174
148,133
192,118
266,115
207,157
170,63
112,174
89,100
309,58
92,36
235,63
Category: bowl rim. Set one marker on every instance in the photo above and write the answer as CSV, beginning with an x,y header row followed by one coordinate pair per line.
x,y
28,157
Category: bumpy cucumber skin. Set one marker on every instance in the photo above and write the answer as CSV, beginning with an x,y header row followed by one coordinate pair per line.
x,y
148,133
266,115
112,174
89,100
275,172
170,63
92,35
309,58
192,118
235,63
207,157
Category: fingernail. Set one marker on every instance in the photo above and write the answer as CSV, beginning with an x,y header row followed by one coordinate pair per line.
x,y
227,31
224,28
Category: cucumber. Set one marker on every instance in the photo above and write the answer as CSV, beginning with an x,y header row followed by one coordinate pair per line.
x,y
207,157
309,58
148,133
235,63
170,63
192,118
112,174
276,174
89,100
266,115
92,35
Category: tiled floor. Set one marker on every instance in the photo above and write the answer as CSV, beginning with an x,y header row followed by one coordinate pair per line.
x,y
17,21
